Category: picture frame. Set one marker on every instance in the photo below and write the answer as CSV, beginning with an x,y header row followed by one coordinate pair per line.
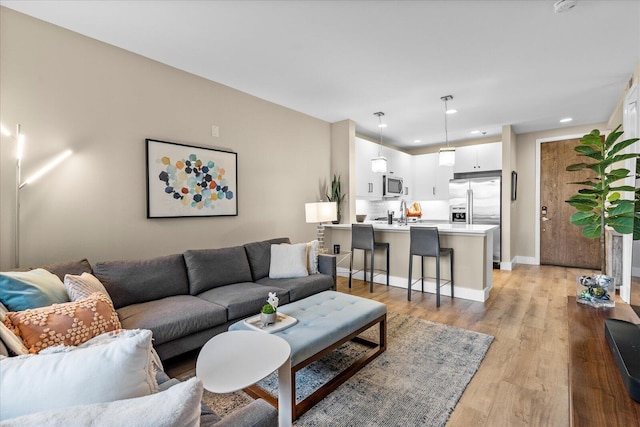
x,y
190,181
514,185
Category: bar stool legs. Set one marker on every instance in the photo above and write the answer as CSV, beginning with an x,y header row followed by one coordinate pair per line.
x,y
425,242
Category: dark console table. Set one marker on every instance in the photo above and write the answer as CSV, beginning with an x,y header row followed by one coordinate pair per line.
x,y
597,395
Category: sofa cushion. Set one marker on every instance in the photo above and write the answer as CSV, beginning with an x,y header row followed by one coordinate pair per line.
x,y
68,267
177,406
133,282
259,255
71,323
22,290
300,287
173,317
121,369
210,268
243,299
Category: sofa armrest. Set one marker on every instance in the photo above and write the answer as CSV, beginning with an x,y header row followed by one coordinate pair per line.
x,y
327,265
257,414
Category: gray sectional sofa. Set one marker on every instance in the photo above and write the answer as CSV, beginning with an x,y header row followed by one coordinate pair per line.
x,y
186,299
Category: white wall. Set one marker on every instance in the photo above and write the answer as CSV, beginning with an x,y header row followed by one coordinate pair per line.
x,y
70,91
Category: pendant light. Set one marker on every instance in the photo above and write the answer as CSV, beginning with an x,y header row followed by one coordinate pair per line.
x,y
447,154
379,164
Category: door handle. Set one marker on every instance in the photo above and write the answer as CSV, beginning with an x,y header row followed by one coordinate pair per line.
x,y
544,218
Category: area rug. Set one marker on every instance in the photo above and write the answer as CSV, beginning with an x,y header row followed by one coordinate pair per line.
x,y
416,382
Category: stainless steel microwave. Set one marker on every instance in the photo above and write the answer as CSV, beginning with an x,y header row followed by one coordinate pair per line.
x,y
392,186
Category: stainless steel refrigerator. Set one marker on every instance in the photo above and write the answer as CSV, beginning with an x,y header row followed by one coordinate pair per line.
x,y
480,198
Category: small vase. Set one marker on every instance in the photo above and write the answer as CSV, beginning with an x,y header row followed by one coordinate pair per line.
x,y
268,319
337,221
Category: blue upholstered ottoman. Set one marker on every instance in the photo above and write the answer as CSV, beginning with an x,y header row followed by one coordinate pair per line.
x,y
326,321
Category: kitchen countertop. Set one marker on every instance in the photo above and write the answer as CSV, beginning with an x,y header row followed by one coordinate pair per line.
x,y
443,227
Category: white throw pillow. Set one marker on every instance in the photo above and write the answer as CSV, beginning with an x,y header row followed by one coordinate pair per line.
x,y
82,286
288,261
177,406
121,369
313,248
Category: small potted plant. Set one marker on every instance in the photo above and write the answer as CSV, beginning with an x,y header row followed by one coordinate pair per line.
x,y
269,312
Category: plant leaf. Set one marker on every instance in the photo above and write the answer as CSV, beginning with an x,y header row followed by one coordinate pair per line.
x,y
584,218
616,148
613,137
622,207
592,231
577,167
622,224
623,188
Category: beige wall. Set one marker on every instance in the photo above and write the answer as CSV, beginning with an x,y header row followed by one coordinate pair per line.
x,y
343,164
70,91
524,231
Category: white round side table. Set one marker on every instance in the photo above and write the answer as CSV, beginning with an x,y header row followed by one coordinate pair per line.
x,y
233,360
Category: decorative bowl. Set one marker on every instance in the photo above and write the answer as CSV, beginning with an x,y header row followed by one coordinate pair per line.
x,y
361,218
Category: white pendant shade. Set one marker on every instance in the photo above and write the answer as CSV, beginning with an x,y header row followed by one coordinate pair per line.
x,y
447,156
379,164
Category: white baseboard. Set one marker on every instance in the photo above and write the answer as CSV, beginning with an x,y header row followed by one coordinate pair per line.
x,y
526,260
508,266
429,286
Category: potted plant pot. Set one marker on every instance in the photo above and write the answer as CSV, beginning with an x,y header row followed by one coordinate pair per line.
x,y
268,318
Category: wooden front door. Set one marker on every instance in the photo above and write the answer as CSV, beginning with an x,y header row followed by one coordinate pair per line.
x,y
562,243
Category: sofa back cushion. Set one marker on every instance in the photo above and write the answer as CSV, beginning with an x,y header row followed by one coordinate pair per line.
x,y
133,282
68,267
211,268
259,255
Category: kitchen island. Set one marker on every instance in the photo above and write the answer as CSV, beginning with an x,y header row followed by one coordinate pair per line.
x,y
473,251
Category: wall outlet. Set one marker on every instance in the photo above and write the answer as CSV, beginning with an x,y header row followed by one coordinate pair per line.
x,y
215,131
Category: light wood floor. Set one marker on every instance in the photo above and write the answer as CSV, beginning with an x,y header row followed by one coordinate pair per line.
x,y
523,380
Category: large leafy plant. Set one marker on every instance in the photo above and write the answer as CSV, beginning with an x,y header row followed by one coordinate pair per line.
x,y
600,203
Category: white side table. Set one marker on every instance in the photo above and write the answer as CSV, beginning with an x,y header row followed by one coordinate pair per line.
x,y
235,360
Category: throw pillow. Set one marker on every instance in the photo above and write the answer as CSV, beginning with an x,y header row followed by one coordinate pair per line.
x,y
22,290
70,323
118,370
8,338
313,248
288,261
82,286
179,405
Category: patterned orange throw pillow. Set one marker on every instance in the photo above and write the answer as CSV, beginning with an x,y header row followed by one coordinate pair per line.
x,y
71,323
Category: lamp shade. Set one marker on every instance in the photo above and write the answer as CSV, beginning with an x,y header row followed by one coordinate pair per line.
x,y
447,156
321,211
379,164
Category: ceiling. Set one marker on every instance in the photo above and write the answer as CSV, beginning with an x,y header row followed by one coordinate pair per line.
x,y
504,62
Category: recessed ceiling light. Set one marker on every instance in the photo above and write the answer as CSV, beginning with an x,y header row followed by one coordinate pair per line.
x,y
451,111
566,120
417,141
382,125
475,132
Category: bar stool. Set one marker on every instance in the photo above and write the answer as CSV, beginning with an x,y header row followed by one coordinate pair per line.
x,y
425,242
363,237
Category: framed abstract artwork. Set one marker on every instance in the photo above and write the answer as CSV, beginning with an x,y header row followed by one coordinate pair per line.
x,y
188,181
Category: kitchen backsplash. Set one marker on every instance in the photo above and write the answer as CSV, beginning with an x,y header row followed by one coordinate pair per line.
x,y
431,209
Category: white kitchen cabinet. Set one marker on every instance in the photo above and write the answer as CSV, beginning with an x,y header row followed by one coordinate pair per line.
x,y
430,180
368,183
478,158
400,165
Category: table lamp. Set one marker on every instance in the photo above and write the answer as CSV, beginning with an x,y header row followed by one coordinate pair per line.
x,y
321,212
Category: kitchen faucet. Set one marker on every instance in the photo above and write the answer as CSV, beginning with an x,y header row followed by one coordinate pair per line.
x,y
403,213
